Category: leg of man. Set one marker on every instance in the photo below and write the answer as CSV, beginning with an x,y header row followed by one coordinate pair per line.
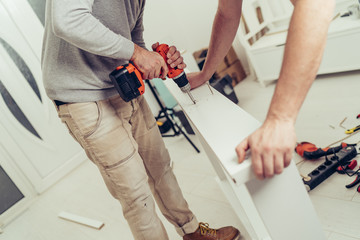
x,y
156,159
164,184
107,139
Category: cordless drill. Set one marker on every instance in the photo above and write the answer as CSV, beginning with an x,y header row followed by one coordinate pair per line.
x,y
178,75
129,83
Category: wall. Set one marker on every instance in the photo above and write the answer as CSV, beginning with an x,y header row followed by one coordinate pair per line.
x,y
186,25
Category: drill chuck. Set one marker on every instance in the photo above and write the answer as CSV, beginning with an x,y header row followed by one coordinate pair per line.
x,y
182,82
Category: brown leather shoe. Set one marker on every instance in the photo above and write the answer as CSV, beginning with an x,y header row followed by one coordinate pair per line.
x,y
205,233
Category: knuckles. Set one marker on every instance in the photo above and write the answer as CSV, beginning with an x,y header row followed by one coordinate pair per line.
x,y
269,175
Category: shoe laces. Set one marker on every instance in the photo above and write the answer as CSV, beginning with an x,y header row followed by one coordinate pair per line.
x,y
205,230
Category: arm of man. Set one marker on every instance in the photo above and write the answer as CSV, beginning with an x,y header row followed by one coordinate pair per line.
x,y
74,22
224,29
272,145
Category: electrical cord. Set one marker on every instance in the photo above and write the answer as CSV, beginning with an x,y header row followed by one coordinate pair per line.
x,y
342,167
344,139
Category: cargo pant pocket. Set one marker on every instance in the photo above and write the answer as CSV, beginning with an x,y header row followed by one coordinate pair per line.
x,y
64,117
86,117
147,114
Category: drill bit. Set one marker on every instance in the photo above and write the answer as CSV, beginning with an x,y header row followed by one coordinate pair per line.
x,y
210,87
183,83
191,97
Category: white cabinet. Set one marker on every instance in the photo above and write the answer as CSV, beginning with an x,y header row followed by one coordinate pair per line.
x,y
264,39
342,47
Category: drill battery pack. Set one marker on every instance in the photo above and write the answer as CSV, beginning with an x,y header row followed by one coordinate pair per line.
x,y
128,82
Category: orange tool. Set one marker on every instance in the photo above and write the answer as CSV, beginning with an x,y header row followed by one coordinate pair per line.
x,y
310,151
178,75
348,166
128,81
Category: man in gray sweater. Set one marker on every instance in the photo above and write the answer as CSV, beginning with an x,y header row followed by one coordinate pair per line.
x,y
83,42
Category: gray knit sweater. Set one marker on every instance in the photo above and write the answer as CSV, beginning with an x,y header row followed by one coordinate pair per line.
x,y
84,41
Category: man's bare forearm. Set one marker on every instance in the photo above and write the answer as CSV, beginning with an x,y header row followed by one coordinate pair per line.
x,y
224,29
303,53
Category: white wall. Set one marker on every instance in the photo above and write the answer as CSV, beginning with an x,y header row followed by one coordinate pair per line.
x,y
186,24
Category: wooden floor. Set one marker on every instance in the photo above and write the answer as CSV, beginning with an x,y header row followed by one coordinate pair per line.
x,y
331,99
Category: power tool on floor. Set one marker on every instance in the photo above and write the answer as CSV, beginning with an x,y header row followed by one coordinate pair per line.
x,y
129,83
311,151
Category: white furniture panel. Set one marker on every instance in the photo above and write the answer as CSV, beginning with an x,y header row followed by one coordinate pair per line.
x,y
278,208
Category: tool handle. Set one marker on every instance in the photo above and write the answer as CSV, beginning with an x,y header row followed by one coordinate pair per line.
x,y
163,49
351,130
352,184
320,152
350,165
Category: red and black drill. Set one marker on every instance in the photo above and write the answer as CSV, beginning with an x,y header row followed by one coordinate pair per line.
x,y
310,151
178,75
129,83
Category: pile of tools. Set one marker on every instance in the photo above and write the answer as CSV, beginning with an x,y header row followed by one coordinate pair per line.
x,y
342,161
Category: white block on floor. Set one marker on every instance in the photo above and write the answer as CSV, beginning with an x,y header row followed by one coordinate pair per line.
x,y
81,220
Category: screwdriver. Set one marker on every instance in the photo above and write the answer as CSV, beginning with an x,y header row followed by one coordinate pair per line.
x,y
351,130
178,75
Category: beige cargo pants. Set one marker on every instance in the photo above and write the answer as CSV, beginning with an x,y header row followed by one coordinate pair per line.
x,y
124,142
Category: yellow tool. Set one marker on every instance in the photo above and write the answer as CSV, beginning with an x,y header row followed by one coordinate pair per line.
x,y
351,130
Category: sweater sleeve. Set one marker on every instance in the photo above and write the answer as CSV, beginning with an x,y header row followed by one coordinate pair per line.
x,y
73,21
137,32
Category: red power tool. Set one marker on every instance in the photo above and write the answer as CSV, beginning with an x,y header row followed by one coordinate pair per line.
x,y
310,151
178,75
129,83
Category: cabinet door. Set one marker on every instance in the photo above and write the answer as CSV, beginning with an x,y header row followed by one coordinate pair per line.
x,y
36,139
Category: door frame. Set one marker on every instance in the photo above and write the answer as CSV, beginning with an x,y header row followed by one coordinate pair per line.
x,y
21,183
